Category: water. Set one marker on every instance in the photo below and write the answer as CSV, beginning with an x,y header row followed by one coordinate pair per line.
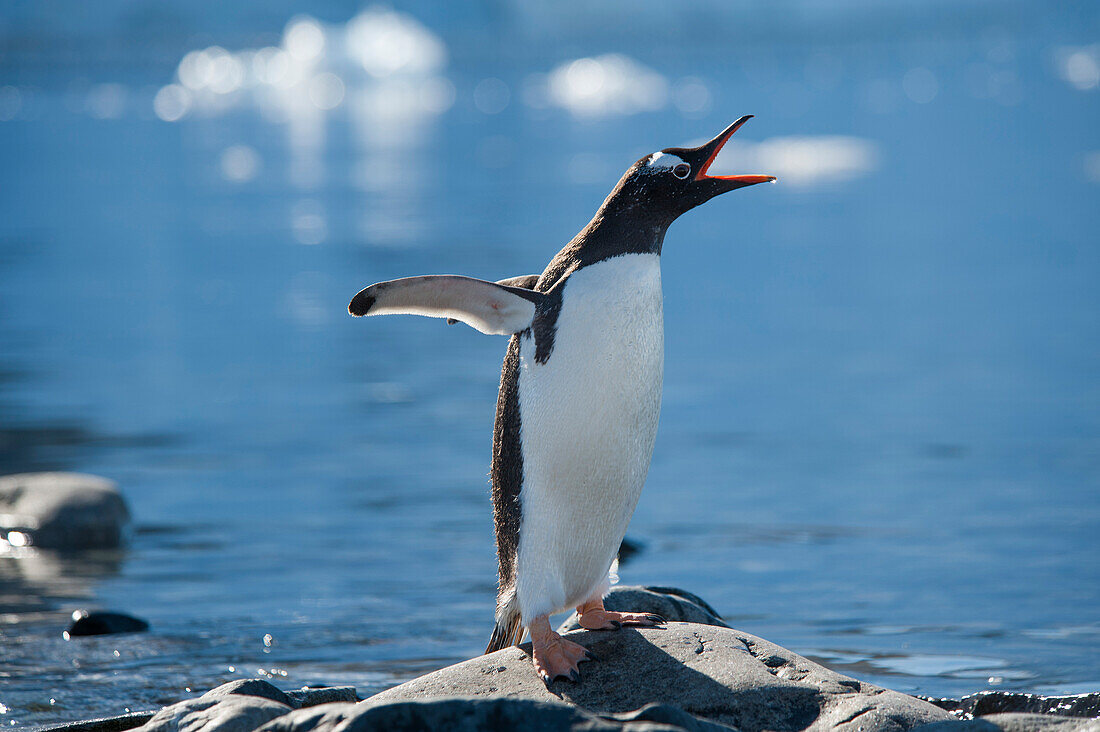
x,y
879,443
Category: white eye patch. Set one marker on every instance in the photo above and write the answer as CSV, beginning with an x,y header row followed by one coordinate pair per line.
x,y
663,161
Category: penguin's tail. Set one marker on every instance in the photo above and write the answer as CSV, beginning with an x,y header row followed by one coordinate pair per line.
x,y
509,628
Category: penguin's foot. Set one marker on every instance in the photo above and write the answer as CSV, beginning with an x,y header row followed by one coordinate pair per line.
x,y
554,656
593,616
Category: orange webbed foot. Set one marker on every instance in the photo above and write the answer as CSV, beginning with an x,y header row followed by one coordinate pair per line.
x,y
593,616
555,656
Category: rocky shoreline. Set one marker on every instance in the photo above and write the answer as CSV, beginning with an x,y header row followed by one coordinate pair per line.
x,y
696,674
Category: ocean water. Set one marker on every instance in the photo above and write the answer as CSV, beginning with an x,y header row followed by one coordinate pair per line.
x,y
880,437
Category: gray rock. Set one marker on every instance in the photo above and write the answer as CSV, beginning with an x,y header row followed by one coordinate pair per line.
x,y
322,718
668,602
1017,722
460,714
313,696
63,510
714,673
119,723
664,714
250,687
1014,722
233,713
991,702
237,706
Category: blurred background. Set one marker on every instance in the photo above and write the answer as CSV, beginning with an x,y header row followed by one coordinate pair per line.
x,y
880,440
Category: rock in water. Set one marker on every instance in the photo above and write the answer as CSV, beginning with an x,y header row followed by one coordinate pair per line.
x,y
1014,722
986,703
62,511
317,695
668,602
716,674
628,548
700,676
103,623
239,706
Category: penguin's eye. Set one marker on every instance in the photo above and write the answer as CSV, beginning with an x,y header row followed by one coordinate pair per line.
x,y
681,170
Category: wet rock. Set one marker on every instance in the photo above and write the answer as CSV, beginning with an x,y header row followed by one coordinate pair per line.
x,y
227,714
313,696
62,511
320,718
1014,722
96,622
463,714
628,549
251,687
119,723
663,714
668,602
713,673
239,706
992,702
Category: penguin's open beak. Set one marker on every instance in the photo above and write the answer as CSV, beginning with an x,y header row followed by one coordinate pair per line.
x,y
701,158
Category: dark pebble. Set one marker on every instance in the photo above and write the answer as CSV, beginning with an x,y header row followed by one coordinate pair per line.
x,y
104,623
628,549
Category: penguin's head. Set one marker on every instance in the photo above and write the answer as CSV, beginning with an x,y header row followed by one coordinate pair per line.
x,y
675,180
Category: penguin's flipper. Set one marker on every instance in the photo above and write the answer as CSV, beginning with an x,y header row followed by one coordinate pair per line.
x,y
527,282
495,309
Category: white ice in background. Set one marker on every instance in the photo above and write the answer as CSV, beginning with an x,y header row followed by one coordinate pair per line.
x,y
1079,66
384,70
800,161
385,43
603,86
304,39
317,68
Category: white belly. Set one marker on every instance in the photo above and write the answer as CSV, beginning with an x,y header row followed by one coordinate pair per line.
x,y
588,422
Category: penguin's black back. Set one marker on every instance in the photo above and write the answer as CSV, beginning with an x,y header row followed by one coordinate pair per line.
x,y
506,472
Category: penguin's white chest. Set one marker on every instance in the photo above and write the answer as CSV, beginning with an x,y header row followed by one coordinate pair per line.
x,y
588,420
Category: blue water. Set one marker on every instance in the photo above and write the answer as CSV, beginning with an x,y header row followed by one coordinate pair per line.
x,y
880,438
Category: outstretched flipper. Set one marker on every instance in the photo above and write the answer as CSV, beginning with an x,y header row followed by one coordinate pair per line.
x,y
527,282
492,308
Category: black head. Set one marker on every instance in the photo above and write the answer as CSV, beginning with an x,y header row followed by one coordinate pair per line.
x,y
675,180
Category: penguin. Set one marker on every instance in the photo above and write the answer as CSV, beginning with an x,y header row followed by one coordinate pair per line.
x,y
580,396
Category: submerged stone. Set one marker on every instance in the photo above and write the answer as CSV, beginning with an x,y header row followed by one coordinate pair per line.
x,y
96,622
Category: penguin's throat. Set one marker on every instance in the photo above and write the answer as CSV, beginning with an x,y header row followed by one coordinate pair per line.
x,y
631,230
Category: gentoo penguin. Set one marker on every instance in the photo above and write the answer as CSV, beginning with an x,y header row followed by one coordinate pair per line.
x,y
580,393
